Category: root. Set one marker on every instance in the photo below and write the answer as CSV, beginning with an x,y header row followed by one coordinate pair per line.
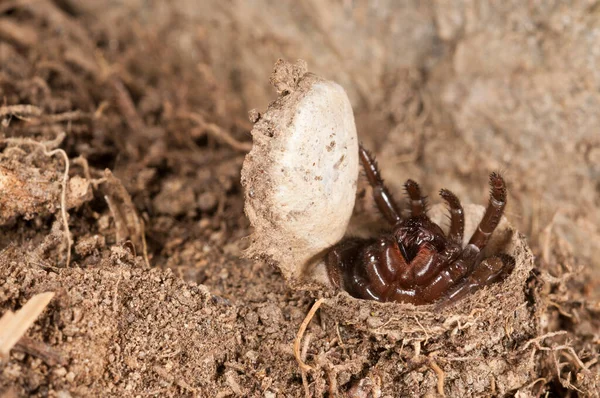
x,y
63,196
127,221
302,372
304,367
81,161
128,110
217,132
571,355
557,351
440,375
339,336
424,330
20,111
542,337
115,302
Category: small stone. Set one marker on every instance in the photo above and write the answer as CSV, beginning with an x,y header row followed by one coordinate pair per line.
x,y
254,115
60,372
207,201
79,191
252,355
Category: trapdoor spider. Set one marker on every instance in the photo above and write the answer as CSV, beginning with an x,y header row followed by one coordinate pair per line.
x,y
416,262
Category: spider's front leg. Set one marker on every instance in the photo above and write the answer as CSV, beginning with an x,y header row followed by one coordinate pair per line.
x,y
341,261
457,216
493,212
358,267
383,198
448,277
418,203
378,267
490,270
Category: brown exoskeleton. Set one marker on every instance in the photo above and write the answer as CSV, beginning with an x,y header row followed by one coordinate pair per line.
x,y
416,262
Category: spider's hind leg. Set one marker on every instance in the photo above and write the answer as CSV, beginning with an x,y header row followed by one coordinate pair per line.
x,y
383,198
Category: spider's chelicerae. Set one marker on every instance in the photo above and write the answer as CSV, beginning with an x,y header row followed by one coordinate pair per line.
x,y
416,262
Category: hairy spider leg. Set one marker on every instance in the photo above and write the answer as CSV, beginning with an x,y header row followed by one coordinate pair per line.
x,y
493,212
383,198
457,216
418,203
489,271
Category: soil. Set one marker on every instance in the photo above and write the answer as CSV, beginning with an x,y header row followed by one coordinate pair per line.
x,y
149,103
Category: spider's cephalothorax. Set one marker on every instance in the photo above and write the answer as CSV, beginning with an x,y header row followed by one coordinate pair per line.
x,y
416,262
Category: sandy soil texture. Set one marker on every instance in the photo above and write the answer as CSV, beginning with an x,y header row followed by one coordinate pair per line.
x,y
123,129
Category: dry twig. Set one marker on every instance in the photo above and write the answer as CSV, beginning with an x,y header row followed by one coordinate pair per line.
x,y
40,350
13,325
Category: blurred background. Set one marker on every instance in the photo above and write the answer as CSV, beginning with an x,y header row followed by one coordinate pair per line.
x,y
444,91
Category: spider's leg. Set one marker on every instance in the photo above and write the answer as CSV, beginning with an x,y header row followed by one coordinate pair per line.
x,y
383,261
400,294
383,198
493,212
457,217
490,270
364,290
418,203
424,266
341,260
345,268
450,275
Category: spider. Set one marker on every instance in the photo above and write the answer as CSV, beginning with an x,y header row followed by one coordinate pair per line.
x,y
416,262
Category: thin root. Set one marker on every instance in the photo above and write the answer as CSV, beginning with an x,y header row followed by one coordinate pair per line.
x,y
307,393
20,111
218,133
300,334
440,375
542,337
63,196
